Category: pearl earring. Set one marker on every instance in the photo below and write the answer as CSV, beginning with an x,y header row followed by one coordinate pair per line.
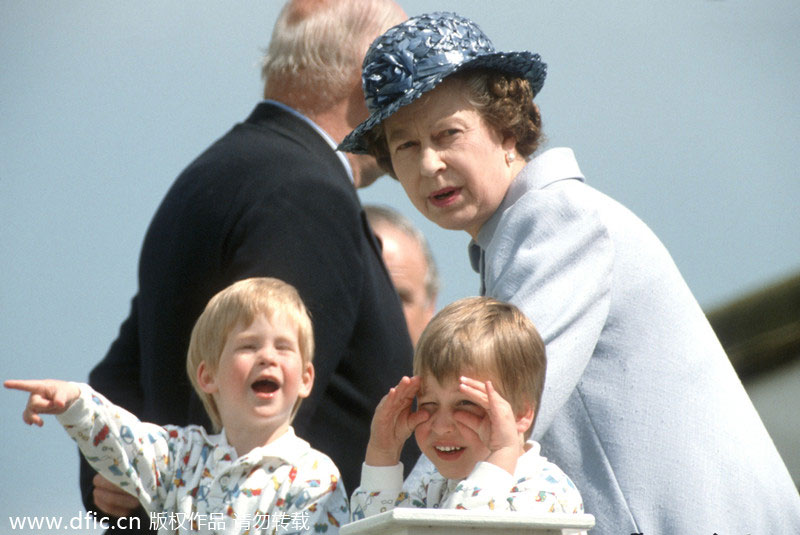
x,y
510,157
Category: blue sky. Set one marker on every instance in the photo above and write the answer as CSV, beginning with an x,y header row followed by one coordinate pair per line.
x,y
685,111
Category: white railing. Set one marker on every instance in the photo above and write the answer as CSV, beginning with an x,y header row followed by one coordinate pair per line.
x,y
408,521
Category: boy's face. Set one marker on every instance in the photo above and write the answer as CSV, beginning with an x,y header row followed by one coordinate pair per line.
x,y
452,447
260,376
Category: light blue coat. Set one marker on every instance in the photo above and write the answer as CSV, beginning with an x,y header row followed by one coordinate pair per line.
x,y
642,408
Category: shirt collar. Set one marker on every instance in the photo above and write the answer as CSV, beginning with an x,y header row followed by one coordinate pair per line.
x,y
328,139
288,447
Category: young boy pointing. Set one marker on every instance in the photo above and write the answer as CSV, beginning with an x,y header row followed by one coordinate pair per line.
x,y
250,361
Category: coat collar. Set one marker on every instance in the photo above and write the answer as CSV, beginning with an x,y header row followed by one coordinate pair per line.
x,y
292,123
548,167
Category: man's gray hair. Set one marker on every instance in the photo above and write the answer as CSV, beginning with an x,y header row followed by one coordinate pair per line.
x,y
317,48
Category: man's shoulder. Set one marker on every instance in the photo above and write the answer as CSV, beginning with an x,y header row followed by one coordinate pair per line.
x,y
263,157
269,147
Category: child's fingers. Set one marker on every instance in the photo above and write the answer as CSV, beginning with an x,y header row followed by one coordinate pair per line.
x,y
49,392
391,408
416,418
475,391
397,402
498,408
474,383
31,413
408,387
497,403
401,397
32,419
384,410
43,405
60,399
470,420
470,423
24,385
491,395
405,382
47,396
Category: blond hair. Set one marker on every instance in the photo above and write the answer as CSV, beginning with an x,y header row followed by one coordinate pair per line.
x,y
237,304
485,337
317,47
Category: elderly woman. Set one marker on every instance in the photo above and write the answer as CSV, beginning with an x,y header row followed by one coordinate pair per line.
x,y
641,406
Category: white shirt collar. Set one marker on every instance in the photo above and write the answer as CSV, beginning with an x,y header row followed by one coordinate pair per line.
x,y
288,447
328,139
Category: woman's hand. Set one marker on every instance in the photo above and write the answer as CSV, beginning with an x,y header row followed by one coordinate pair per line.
x,y
393,423
47,396
498,429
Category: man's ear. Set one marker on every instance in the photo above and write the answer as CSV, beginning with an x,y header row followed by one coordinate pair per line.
x,y
525,418
306,381
206,379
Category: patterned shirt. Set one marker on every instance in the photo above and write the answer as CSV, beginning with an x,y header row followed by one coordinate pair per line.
x,y
537,486
192,482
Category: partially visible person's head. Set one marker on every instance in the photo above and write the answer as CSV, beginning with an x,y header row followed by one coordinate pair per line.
x,y
414,57
315,54
484,338
410,263
452,119
253,304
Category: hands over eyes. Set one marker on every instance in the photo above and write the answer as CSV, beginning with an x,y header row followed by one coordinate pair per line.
x,y
394,423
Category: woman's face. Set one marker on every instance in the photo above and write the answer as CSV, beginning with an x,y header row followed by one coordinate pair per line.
x,y
451,163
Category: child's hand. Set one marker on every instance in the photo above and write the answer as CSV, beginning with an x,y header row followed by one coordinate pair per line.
x,y
48,396
393,423
498,429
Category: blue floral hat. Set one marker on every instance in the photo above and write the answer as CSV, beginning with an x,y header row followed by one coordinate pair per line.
x,y
412,58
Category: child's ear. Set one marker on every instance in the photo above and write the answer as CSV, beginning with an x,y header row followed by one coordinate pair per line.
x,y
206,379
306,380
525,418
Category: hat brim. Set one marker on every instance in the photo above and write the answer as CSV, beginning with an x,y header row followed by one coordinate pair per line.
x,y
525,64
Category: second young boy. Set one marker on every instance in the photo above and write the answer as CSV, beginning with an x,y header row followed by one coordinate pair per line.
x,y
479,372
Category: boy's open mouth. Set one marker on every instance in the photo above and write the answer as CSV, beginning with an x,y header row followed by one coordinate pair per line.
x,y
265,386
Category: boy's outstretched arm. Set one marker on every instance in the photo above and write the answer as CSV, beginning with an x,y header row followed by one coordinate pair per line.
x,y
47,396
393,423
